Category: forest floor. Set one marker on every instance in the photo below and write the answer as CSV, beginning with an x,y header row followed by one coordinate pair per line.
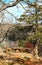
x,y
18,58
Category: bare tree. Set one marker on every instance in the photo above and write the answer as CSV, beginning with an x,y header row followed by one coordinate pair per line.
x,y
37,16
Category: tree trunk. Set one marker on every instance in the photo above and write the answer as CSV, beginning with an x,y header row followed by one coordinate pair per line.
x,y
36,52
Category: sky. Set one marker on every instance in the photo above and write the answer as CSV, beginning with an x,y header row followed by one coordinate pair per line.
x,y
16,11
7,1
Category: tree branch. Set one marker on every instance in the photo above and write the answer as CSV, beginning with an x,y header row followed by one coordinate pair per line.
x,y
4,6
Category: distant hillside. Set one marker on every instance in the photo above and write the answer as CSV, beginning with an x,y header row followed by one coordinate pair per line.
x,y
5,27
